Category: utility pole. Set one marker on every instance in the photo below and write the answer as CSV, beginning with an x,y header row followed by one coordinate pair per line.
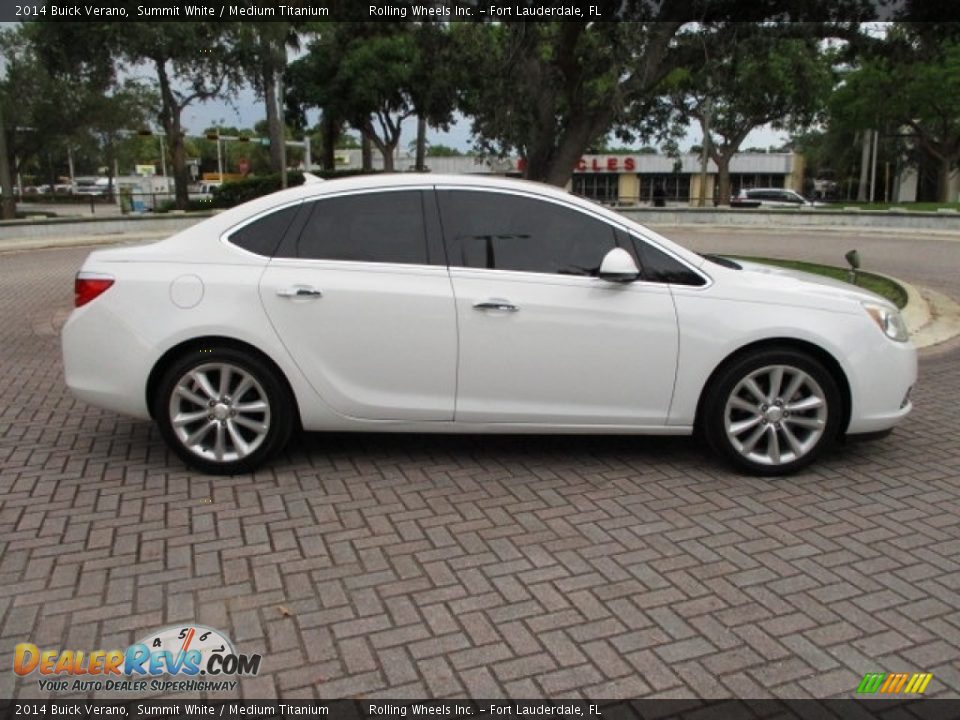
x,y
864,167
283,129
73,182
873,167
163,156
8,204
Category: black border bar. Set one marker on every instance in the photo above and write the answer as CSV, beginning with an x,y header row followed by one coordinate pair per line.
x,y
473,10
840,709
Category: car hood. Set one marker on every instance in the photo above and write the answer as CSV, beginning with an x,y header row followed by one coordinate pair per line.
x,y
807,283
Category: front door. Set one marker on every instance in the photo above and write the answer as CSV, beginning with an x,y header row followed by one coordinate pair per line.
x,y
542,339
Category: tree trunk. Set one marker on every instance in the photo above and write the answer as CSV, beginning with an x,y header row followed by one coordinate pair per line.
x,y
387,152
181,176
8,203
170,119
421,165
274,123
331,132
946,170
366,151
723,178
553,159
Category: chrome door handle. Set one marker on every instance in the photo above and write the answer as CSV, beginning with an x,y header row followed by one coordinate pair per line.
x,y
300,291
496,304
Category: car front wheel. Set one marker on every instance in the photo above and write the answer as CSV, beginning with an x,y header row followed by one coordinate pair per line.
x,y
772,412
223,411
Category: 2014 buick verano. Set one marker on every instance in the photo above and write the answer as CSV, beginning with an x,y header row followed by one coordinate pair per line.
x,y
473,305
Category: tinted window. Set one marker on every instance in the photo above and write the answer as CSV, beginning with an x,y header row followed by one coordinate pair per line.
x,y
657,266
507,232
372,227
264,234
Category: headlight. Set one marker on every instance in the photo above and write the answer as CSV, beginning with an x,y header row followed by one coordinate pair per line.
x,y
889,320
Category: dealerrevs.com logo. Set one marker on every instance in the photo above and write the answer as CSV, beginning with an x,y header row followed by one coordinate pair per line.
x,y
176,659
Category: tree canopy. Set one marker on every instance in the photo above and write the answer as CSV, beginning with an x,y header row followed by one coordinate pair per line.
x,y
754,78
910,90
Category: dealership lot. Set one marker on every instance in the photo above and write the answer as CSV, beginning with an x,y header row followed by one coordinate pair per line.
x,y
418,566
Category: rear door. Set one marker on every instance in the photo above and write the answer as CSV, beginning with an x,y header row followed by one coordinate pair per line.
x,y
361,299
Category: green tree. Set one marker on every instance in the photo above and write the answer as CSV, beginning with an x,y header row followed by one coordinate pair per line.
x,y
191,62
127,107
549,90
45,115
309,84
262,50
439,150
756,77
373,76
913,89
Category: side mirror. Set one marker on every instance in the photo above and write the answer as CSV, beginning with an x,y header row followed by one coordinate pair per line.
x,y
618,266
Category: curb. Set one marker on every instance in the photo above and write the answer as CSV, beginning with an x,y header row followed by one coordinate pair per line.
x,y
931,317
943,323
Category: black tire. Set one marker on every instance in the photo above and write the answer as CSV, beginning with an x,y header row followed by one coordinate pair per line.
x,y
772,421
266,388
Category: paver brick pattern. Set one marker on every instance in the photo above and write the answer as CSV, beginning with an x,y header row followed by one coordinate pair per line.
x,y
393,566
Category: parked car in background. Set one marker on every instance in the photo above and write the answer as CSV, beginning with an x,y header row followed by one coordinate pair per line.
x,y
442,303
203,190
770,198
92,186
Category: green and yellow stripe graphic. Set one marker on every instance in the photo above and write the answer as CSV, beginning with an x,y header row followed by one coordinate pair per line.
x,y
894,683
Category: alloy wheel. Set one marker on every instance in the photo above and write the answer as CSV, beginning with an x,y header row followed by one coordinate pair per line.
x,y
219,412
775,415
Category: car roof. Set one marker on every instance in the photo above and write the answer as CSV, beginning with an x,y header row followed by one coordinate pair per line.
x,y
387,181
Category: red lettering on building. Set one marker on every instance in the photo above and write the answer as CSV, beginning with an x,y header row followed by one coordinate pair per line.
x,y
629,164
611,163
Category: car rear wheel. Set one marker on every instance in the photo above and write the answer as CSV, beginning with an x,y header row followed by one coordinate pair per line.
x,y
772,412
223,411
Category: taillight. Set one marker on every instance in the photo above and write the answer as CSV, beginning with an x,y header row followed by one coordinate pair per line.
x,y
89,286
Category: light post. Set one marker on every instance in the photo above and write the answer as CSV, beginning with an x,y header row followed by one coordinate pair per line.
x,y
163,157
705,153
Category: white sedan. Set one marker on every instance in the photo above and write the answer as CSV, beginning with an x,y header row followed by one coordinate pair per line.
x,y
415,303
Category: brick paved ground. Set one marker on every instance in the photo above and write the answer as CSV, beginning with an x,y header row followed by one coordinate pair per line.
x,y
486,566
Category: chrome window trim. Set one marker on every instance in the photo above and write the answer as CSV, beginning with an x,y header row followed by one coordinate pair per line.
x,y
619,223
